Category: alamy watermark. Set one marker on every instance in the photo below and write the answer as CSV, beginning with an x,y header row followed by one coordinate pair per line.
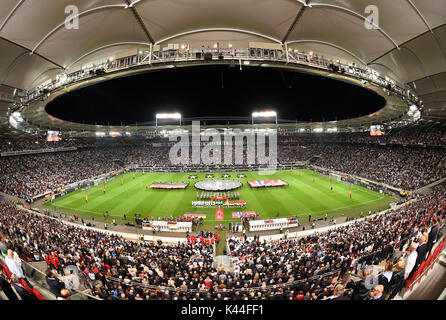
x,y
372,20
251,148
72,20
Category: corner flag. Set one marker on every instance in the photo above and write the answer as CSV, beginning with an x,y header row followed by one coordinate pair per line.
x,y
86,196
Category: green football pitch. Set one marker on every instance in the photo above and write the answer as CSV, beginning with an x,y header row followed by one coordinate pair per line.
x,y
301,197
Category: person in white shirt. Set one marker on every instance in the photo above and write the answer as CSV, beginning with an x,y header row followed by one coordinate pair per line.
x,y
14,264
411,260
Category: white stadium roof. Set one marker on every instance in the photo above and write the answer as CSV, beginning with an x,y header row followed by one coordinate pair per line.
x,y
408,42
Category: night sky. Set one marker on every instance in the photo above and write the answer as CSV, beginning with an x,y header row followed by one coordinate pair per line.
x,y
209,91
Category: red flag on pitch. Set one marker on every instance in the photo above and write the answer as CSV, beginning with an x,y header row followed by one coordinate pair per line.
x,y
219,215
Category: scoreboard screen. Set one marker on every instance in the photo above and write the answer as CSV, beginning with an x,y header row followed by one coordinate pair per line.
x,y
376,131
53,136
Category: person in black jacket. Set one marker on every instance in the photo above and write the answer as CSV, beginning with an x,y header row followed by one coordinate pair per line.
x,y
433,234
5,286
397,282
421,250
54,283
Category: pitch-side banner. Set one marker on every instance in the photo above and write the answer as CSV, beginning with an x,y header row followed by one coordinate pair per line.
x,y
238,215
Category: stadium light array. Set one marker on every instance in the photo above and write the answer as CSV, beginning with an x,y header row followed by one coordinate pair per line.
x,y
174,116
264,114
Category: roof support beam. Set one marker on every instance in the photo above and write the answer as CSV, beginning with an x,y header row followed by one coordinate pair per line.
x,y
432,75
140,21
30,52
428,26
296,20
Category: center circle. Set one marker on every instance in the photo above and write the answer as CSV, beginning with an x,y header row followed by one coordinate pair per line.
x,y
218,185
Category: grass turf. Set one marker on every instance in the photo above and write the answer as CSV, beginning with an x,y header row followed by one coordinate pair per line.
x,y
302,197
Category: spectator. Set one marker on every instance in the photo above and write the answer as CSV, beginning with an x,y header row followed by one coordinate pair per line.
x,y
338,293
378,293
5,286
411,262
20,289
64,295
54,283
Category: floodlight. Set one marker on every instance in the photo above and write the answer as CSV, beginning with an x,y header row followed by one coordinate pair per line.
x,y
264,114
174,116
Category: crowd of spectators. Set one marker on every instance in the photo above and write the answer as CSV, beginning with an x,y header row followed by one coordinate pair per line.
x,y
343,251
108,263
403,167
309,268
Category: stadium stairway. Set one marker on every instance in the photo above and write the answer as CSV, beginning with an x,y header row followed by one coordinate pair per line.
x,y
224,261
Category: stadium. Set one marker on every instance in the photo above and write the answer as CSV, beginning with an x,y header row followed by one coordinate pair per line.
x,y
228,150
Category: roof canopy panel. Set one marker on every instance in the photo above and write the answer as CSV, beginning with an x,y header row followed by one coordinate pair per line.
x,y
332,26
33,20
96,29
166,18
433,11
23,74
397,18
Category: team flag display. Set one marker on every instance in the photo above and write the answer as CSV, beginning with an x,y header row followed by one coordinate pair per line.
x,y
266,183
169,185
